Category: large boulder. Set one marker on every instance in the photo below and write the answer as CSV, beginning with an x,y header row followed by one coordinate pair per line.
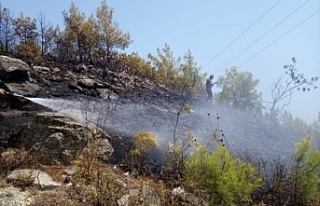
x,y
24,88
13,69
60,140
15,75
37,178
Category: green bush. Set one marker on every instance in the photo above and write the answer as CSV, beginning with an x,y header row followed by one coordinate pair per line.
x,y
225,179
143,143
306,173
24,180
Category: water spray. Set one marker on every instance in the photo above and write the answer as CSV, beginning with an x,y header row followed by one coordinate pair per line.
x,y
7,93
12,94
130,117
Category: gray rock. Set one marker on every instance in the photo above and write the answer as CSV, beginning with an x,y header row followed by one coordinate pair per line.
x,y
105,93
11,196
41,179
149,196
15,75
105,150
74,86
187,198
124,200
80,68
41,69
71,170
87,82
121,183
134,192
59,139
56,70
13,69
24,88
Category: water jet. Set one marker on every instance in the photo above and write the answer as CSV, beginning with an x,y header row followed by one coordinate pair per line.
x,y
241,132
12,94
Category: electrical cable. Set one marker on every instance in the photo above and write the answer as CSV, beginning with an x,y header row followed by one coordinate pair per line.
x,y
263,35
242,33
303,21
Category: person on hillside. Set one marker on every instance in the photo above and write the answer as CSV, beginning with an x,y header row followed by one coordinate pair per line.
x,y
2,92
4,103
209,85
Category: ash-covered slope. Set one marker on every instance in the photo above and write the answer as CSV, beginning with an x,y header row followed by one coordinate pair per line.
x,y
238,129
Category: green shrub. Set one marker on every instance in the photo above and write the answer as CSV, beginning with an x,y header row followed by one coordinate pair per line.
x,y
143,143
306,173
225,179
24,180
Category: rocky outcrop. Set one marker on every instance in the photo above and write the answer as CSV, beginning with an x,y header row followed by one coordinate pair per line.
x,y
59,139
15,77
24,88
11,196
13,69
37,178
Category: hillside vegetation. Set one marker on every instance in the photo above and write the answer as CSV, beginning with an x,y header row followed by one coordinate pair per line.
x,y
87,57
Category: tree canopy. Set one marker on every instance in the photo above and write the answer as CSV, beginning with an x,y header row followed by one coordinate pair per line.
x,y
181,74
239,89
110,36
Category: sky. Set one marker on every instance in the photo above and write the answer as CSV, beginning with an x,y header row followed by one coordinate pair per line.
x,y
256,36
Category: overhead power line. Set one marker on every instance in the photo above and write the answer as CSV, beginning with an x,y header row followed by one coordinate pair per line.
x,y
242,33
263,35
303,21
